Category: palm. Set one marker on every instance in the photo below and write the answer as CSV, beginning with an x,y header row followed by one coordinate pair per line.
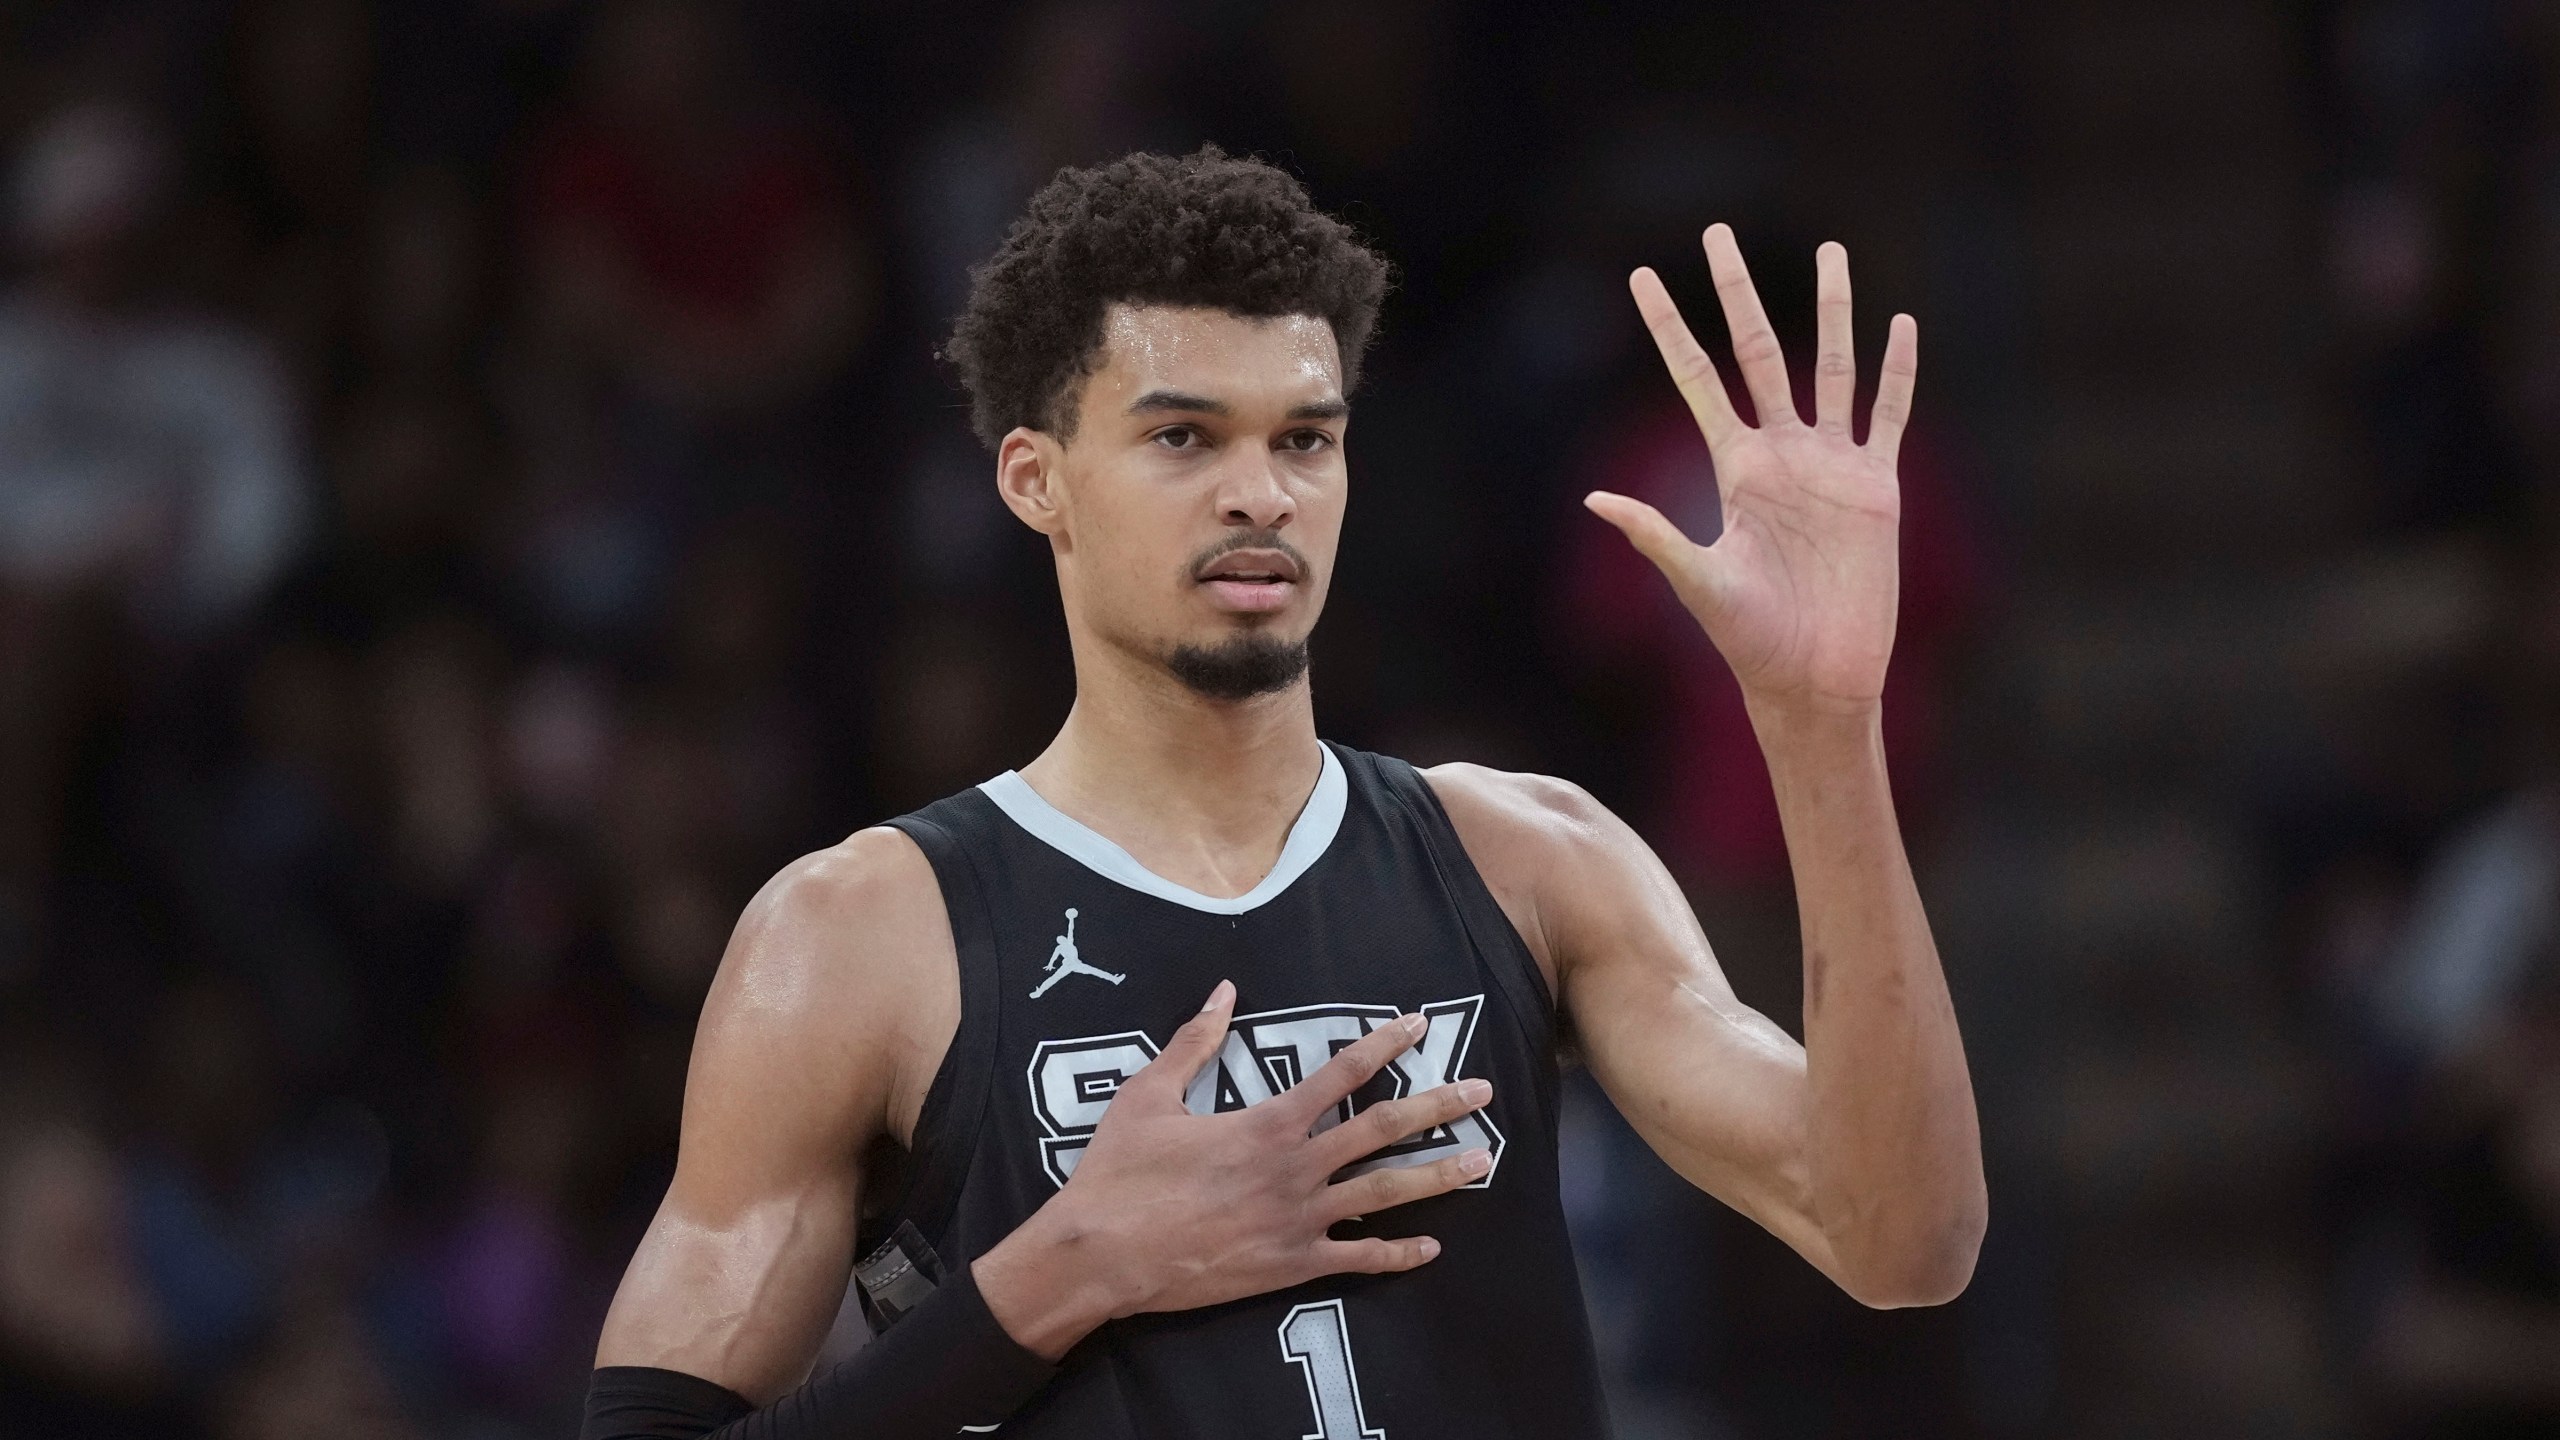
x,y
1799,590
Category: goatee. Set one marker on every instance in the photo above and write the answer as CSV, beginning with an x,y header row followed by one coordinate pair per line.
x,y
1241,668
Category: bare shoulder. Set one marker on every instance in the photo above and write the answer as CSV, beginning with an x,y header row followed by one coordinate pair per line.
x,y
1594,902
841,969
1508,817
1517,804
849,917
1536,840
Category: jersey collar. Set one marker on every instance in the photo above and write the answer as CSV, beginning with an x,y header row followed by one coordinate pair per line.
x,y
1309,838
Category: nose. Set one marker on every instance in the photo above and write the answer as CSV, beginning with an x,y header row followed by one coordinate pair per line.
x,y
1253,493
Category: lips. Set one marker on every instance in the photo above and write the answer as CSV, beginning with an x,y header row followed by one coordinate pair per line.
x,y
1252,567
1249,581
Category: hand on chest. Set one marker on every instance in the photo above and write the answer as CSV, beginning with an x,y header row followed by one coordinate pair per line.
x,y
1070,1081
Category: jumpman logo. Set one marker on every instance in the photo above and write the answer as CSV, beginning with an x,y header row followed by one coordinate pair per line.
x,y
1064,961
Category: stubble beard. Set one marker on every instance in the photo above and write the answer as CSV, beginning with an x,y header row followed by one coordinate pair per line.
x,y
1241,668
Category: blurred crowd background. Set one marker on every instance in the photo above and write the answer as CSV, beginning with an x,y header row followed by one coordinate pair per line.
x,y
477,495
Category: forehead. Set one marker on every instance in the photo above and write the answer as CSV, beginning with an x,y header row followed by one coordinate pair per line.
x,y
1284,359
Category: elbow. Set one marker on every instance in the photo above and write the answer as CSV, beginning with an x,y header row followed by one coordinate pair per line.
x,y
1913,1286
1929,1269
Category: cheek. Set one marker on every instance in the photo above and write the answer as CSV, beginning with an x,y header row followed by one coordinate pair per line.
x,y
1318,530
1126,552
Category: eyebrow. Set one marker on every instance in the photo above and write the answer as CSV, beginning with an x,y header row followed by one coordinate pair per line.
x,y
1155,401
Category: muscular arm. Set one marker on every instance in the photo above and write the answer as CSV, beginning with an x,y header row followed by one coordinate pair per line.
x,y
832,1006
1859,1147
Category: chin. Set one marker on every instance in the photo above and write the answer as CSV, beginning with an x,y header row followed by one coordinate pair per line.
x,y
1240,664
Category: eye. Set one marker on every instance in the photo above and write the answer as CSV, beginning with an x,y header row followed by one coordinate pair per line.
x,y
1306,442
1178,437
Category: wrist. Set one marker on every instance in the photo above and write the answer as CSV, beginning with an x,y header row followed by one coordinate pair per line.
x,y
1052,1282
1816,727
1827,767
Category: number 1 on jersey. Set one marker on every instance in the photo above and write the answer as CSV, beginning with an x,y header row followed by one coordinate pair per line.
x,y
1317,1338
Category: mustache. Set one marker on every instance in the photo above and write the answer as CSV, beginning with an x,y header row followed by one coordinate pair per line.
x,y
1254,540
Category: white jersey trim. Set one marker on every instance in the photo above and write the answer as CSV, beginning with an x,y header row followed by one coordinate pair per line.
x,y
1309,838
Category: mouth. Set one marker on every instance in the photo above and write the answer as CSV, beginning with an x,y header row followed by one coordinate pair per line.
x,y
1251,581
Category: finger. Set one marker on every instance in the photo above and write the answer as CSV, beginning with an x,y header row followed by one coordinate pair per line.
x,y
1691,369
1393,1185
1191,1049
1755,345
1373,1256
1693,569
1893,387
1835,359
1648,529
1354,1066
1389,1121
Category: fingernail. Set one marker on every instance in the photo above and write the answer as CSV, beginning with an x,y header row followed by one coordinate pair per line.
x,y
1414,1025
1476,1162
1475,1092
1225,988
1430,1248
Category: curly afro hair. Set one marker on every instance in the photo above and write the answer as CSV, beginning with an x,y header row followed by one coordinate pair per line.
x,y
1205,229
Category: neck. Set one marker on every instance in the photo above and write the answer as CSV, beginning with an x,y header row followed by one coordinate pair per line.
x,y
1200,791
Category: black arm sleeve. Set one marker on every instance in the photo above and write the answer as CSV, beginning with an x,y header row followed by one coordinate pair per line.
x,y
946,1364
642,1402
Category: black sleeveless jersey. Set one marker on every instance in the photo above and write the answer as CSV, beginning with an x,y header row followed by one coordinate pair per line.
x,y
1076,963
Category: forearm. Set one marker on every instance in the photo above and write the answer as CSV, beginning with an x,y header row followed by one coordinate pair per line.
x,y
944,1366
1893,1148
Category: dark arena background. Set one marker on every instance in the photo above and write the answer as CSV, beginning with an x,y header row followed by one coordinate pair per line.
x,y
477,495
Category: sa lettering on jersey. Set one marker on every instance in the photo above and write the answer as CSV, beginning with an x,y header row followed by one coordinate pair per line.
x,y
1072,1081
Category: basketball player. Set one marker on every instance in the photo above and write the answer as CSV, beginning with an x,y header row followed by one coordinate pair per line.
x,y
1325,1203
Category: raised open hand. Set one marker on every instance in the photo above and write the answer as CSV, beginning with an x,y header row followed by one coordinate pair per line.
x,y
1799,592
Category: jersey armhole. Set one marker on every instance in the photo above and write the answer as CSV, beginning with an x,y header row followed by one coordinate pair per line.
x,y
955,1104
1491,930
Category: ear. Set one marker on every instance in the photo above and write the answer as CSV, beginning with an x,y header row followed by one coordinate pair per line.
x,y
1027,466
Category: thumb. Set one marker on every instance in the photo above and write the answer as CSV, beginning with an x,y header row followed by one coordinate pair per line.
x,y
1686,564
1193,1046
